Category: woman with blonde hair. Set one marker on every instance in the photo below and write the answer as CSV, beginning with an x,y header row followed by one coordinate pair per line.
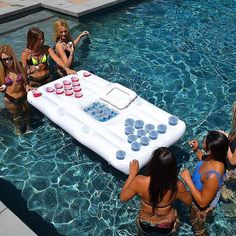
x,y
35,59
14,85
64,44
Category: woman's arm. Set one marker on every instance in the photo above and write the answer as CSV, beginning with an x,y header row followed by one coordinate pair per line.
x,y
232,157
129,189
209,189
60,62
77,40
182,194
61,52
195,147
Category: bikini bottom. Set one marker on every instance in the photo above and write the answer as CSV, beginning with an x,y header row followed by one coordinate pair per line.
x,y
16,101
161,224
37,82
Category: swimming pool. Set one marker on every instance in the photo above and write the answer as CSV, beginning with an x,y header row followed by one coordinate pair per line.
x,y
179,55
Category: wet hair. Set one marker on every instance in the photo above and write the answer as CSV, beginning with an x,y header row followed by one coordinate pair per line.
x,y
57,29
162,169
7,49
232,133
33,36
217,144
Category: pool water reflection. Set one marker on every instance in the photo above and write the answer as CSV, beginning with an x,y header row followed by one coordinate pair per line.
x,y
180,56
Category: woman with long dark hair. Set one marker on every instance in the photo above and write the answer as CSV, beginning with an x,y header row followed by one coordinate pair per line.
x,y
207,178
158,190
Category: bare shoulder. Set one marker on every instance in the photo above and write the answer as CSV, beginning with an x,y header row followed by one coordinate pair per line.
x,y
26,52
45,49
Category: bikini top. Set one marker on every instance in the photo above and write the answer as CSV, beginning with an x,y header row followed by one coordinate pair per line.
x,y
196,178
8,80
157,206
34,62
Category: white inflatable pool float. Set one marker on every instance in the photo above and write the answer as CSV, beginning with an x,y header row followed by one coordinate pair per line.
x,y
107,117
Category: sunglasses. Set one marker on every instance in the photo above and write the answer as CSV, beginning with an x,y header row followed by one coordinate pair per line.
x,y
7,59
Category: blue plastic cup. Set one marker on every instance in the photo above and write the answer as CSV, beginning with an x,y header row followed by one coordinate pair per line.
x,y
144,140
141,132
131,138
129,122
153,134
173,120
120,155
149,127
135,146
138,124
129,130
161,128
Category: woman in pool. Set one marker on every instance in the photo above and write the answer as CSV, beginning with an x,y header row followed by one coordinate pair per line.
x,y
207,178
227,193
65,44
35,59
14,86
157,190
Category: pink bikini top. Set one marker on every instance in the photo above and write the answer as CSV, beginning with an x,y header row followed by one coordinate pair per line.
x,y
8,81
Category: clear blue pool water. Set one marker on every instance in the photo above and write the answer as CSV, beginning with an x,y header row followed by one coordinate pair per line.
x,y
179,55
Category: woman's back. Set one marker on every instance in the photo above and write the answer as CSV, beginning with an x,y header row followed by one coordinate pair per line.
x,y
165,205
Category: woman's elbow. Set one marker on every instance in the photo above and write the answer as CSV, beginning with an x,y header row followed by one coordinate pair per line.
x,y
122,198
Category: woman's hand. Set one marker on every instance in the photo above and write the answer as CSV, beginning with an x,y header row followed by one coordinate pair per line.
x,y
194,145
84,33
133,167
70,48
28,88
186,175
69,71
3,88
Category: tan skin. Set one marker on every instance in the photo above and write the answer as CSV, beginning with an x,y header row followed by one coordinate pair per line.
x,y
138,185
231,156
210,184
17,89
63,44
42,69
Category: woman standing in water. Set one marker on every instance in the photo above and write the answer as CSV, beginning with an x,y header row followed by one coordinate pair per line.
x,y
65,45
207,178
14,86
158,191
35,59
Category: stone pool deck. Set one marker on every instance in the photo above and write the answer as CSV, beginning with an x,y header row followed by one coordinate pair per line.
x,y
76,8
10,224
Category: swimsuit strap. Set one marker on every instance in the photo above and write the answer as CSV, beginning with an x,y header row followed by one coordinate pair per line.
x,y
157,206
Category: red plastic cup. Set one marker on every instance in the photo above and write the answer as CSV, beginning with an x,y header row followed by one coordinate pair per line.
x,y
74,79
77,89
86,74
68,92
50,89
59,91
58,85
36,93
78,95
